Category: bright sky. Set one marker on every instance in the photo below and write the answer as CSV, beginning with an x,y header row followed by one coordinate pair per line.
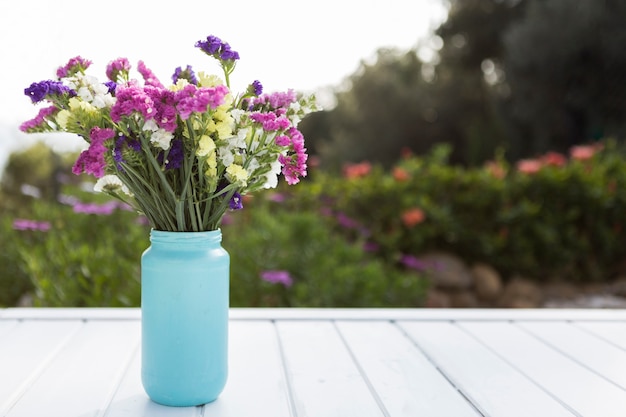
x,y
285,44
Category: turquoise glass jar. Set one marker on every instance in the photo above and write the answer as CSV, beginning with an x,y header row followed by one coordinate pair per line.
x,y
184,317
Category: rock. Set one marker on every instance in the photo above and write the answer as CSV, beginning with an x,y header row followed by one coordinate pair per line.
x,y
447,271
487,282
437,299
463,299
521,293
560,290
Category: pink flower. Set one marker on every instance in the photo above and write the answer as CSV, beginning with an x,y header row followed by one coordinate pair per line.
x,y
529,166
584,152
554,159
359,170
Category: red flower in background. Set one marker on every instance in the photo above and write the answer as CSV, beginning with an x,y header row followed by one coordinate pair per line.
x,y
554,159
400,174
357,170
413,217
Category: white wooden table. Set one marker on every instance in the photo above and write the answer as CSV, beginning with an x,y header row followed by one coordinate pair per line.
x,y
327,363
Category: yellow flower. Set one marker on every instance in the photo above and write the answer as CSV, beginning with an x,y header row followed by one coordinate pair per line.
x,y
211,161
62,118
180,84
208,80
236,174
205,145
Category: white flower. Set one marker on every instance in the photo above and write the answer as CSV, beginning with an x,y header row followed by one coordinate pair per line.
x,y
150,125
111,183
272,176
226,156
161,138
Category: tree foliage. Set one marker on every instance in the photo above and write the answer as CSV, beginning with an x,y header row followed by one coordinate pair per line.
x,y
508,74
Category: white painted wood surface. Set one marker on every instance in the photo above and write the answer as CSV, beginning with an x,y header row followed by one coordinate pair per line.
x,y
330,362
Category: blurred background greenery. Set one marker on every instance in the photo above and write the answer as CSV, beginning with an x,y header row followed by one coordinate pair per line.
x,y
499,139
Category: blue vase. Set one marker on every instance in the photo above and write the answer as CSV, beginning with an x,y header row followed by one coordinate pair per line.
x,y
184,317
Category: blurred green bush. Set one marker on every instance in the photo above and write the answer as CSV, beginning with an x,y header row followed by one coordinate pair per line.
x,y
351,240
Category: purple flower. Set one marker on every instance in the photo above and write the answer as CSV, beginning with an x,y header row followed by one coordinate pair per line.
x,y
111,85
175,155
214,47
24,224
211,45
121,143
277,277
235,202
39,91
186,74
412,262
256,88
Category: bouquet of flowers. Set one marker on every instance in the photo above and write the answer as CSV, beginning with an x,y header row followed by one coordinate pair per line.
x,y
182,155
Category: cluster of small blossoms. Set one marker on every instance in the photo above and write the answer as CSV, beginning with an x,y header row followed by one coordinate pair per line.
x,y
193,143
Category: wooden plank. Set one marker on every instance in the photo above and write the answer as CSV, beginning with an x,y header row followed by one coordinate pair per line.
x,y
324,381
6,326
256,381
82,378
581,389
26,352
256,378
585,348
406,382
130,400
493,386
612,332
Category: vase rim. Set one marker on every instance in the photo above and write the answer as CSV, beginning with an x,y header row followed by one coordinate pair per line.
x,y
186,237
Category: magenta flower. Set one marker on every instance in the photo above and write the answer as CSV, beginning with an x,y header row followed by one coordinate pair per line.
x,y
91,160
74,65
270,121
105,209
39,123
25,224
148,75
130,99
198,100
294,165
118,69
277,277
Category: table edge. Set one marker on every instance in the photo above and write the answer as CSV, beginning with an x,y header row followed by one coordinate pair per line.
x,y
425,314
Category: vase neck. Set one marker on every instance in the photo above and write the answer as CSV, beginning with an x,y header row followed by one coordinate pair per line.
x,y
204,239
